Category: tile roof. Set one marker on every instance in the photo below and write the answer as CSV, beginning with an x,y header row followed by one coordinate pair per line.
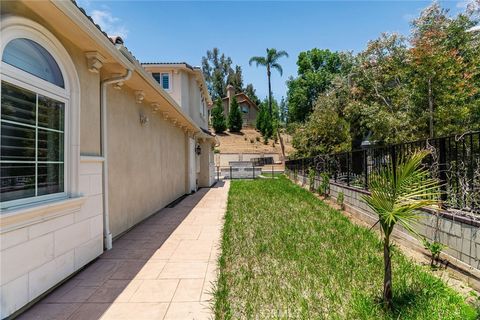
x,y
186,64
96,25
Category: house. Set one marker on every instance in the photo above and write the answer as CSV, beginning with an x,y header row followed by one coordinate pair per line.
x,y
92,144
248,108
186,85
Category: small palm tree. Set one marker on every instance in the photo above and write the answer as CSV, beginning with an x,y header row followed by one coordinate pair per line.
x,y
271,62
395,196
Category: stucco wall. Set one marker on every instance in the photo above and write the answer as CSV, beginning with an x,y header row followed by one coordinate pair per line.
x,y
207,172
146,163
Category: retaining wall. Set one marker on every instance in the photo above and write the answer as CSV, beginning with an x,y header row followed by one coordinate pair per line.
x,y
460,233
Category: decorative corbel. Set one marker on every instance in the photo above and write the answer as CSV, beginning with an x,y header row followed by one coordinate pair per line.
x,y
175,121
165,115
139,96
117,85
94,61
155,106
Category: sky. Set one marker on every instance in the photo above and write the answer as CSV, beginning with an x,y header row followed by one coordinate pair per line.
x,y
182,31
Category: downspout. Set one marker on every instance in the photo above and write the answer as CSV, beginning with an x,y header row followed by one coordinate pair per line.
x,y
107,235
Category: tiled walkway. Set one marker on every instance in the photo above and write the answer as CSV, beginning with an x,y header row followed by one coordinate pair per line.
x,y
162,269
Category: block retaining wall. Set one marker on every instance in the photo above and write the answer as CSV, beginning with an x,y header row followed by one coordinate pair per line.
x,y
460,233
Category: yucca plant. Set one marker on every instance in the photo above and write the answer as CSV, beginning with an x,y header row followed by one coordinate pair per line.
x,y
396,194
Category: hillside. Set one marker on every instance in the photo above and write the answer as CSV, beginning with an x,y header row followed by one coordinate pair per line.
x,y
250,141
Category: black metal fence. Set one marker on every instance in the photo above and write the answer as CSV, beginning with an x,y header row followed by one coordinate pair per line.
x,y
454,160
262,161
245,172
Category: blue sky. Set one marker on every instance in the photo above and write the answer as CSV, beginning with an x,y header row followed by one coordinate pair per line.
x,y
184,30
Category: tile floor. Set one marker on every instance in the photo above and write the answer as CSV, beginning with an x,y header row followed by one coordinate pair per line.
x,y
164,268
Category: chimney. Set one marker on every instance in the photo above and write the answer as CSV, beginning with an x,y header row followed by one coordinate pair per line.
x,y
230,91
230,94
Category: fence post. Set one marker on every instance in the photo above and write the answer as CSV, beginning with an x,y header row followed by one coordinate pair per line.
x,y
231,177
253,170
393,155
348,168
442,168
272,170
365,167
218,173
336,167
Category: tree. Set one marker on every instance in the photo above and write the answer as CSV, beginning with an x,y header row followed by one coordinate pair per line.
x,y
216,67
219,72
316,70
325,131
283,111
445,73
270,61
235,120
396,194
380,97
235,78
218,118
250,92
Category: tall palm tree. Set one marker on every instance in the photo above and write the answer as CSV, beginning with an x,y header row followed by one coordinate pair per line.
x,y
396,193
271,62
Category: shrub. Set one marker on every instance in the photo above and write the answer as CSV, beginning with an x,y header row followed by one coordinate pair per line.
x,y
218,118
235,120
435,248
340,200
257,138
324,187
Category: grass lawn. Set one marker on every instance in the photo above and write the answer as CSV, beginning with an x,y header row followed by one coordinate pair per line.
x,y
287,255
268,174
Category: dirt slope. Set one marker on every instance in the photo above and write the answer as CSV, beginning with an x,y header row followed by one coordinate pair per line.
x,y
251,141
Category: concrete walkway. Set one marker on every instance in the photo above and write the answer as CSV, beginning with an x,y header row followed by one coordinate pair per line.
x,y
162,269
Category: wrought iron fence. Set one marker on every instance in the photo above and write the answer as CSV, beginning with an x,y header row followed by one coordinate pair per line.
x,y
454,160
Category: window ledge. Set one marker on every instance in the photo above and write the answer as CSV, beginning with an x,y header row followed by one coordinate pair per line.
x,y
24,216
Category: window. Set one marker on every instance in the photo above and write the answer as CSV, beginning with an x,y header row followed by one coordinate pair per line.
x,y
244,108
202,107
29,56
156,76
165,77
32,119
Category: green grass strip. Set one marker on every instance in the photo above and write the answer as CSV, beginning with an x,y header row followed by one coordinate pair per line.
x,y
287,255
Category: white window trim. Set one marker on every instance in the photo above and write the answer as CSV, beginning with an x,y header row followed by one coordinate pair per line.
x,y
19,27
169,80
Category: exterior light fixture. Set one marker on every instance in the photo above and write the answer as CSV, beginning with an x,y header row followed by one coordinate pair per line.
x,y
198,150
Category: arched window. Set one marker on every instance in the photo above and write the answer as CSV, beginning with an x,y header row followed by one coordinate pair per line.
x,y
33,113
29,56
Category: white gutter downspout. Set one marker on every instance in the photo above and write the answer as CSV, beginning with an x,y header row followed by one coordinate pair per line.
x,y
107,235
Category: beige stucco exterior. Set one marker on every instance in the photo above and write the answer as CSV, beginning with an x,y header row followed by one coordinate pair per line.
x,y
148,134
147,163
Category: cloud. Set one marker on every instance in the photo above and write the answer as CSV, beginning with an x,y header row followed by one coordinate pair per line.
x,y
102,15
110,24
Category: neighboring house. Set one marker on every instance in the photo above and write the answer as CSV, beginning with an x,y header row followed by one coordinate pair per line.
x,y
91,145
248,108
